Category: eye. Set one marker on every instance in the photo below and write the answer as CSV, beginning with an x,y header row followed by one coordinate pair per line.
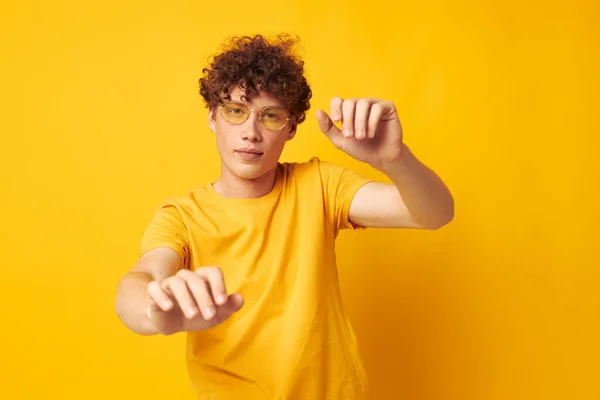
x,y
273,115
234,110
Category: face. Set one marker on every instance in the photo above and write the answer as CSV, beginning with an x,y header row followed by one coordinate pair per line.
x,y
249,150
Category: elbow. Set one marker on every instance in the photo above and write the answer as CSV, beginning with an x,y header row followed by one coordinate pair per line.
x,y
442,218
448,214
120,307
445,220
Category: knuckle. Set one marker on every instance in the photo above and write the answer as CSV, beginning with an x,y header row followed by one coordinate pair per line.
x,y
216,271
151,287
165,283
209,271
173,282
348,105
198,286
363,103
182,273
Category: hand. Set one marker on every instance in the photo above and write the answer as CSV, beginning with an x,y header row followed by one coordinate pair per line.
x,y
191,301
371,130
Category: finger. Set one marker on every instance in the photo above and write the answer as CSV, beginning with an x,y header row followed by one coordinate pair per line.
x,y
177,287
360,118
335,109
374,118
216,281
200,289
326,125
159,296
348,109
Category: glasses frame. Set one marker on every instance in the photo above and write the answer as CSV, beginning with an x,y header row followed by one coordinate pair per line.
x,y
287,120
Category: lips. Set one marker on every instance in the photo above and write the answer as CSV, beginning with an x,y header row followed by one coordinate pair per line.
x,y
249,154
249,151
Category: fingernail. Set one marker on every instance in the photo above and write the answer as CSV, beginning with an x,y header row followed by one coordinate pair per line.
x,y
360,133
221,299
208,312
167,304
347,132
191,312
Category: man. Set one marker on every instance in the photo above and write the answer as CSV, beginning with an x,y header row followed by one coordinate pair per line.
x,y
246,265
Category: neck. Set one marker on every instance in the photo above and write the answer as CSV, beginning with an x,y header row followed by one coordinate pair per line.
x,y
232,186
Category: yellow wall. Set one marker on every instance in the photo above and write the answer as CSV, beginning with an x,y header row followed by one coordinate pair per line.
x,y
101,120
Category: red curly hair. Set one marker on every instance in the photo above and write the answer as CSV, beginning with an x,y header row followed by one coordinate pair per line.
x,y
258,65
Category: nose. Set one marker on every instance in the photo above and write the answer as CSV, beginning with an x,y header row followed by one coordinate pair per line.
x,y
251,129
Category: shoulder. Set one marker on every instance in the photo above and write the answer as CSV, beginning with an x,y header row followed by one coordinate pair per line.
x,y
314,165
185,203
303,173
300,165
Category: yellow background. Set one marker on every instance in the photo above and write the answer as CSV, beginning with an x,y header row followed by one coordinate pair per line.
x,y
101,119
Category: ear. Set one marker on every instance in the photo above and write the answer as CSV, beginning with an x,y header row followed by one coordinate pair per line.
x,y
211,119
292,132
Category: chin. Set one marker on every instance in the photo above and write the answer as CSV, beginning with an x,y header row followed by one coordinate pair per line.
x,y
249,171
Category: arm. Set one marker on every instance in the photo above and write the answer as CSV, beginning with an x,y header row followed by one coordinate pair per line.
x,y
157,296
133,298
371,133
417,198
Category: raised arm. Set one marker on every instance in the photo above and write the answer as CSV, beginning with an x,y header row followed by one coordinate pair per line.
x,y
417,198
371,133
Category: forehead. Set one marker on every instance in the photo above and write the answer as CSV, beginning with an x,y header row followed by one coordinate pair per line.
x,y
262,100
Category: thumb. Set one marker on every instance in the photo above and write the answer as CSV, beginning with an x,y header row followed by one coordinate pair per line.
x,y
234,303
326,125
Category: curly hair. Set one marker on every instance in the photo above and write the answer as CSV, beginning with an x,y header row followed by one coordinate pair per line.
x,y
258,65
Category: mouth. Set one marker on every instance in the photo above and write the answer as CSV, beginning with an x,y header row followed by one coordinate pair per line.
x,y
248,151
249,154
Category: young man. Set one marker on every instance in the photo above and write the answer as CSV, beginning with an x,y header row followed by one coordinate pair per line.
x,y
246,265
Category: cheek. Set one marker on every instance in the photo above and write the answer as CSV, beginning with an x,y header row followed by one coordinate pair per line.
x,y
276,146
224,148
223,138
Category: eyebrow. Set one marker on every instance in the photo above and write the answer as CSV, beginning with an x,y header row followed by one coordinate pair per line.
x,y
248,104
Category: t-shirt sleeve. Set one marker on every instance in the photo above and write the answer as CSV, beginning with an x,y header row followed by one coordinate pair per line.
x,y
339,187
167,229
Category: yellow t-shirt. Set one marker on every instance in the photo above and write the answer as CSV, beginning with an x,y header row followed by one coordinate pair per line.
x,y
291,339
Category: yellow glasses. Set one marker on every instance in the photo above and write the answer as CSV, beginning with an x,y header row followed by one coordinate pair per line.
x,y
272,118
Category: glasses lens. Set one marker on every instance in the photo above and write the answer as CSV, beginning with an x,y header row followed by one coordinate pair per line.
x,y
234,113
273,118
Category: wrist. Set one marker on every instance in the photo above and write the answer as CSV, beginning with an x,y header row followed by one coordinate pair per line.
x,y
393,165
